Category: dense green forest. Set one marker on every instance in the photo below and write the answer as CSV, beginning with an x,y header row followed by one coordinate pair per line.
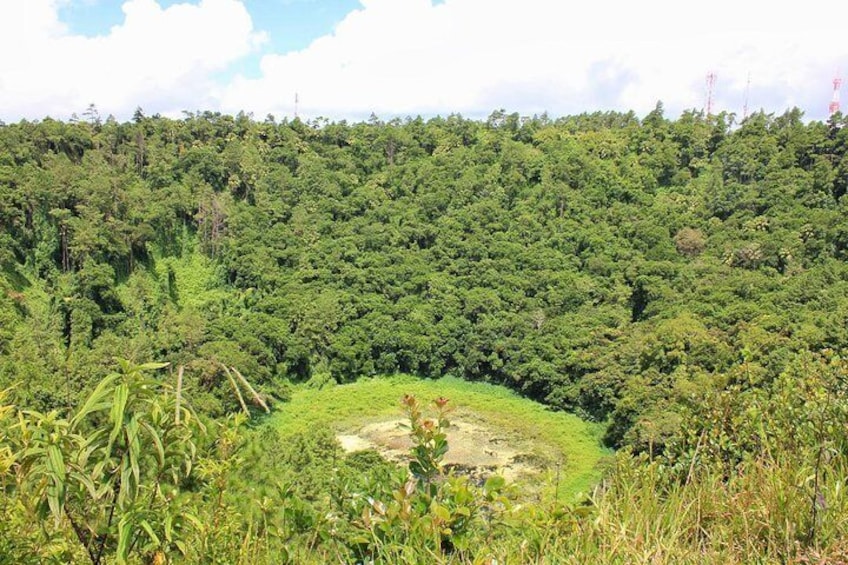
x,y
682,282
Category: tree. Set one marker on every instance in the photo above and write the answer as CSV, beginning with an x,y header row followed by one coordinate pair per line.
x,y
690,242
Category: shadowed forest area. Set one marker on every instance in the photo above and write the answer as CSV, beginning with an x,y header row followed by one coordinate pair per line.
x,y
681,284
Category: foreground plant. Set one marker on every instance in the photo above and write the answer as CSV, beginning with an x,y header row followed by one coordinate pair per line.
x,y
431,513
111,473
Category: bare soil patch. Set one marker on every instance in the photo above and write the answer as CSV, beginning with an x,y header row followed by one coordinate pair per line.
x,y
474,448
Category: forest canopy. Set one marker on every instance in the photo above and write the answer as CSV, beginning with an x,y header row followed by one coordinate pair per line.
x,y
600,263
641,273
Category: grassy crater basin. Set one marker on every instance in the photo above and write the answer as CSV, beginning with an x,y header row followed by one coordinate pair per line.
x,y
493,430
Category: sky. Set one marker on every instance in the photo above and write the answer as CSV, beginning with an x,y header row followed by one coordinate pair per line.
x,y
347,59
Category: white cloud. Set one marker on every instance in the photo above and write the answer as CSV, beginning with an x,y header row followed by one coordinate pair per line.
x,y
473,56
398,57
161,59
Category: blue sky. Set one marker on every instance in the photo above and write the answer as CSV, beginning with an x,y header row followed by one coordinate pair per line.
x,y
349,58
291,25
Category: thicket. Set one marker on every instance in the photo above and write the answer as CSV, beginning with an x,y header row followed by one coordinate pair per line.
x,y
671,278
754,476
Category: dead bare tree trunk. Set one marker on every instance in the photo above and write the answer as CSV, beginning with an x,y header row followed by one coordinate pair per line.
x,y
256,397
179,394
236,389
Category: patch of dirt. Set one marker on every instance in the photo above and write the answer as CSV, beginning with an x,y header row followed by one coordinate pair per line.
x,y
474,449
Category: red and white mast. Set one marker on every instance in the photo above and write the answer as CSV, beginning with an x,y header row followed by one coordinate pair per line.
x,y
711,80
834,102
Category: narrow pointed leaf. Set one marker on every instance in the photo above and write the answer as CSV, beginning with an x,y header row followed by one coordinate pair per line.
x,y
157,442
86,482
150,366
124,533
56,462
134,448
96,401
119,405
151,534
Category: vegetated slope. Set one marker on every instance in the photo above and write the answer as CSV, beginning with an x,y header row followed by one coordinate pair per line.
x,y
563,450
599,263
682,280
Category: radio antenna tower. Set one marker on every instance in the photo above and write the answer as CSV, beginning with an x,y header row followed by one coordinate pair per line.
x,y
711,80
747,92
296,102
834,102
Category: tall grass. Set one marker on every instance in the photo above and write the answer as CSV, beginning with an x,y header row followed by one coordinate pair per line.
x,y
761,515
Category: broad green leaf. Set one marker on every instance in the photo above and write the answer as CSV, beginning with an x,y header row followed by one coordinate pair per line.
x,y
30,452
494,484
56,488
90,447
440,512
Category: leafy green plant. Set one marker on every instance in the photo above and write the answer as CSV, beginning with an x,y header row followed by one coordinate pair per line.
x,y
111,472
429,437
430,513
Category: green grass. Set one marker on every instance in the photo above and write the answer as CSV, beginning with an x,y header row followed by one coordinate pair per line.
x,y
196,280
560,436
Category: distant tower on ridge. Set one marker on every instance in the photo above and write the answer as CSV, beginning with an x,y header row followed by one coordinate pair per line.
x,y
711,80
296,102
834,102
747,93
